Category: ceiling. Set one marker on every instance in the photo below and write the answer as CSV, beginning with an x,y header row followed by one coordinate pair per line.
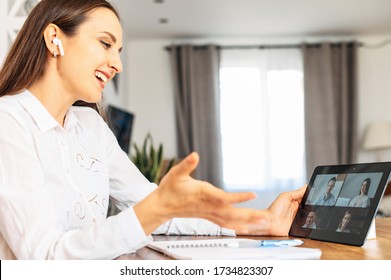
x,y
239,18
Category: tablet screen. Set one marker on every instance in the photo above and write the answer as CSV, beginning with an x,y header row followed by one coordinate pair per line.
x,y
340,202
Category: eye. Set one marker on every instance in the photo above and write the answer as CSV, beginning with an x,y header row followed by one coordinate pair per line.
x,y
105,44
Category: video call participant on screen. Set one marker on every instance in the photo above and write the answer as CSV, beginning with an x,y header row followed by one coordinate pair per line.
x,y
362,199
310,222
327,199
344,223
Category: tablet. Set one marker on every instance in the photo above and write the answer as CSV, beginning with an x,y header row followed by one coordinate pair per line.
x,y
340,202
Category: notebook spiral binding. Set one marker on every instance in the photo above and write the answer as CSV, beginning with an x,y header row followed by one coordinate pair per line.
x,y
201,245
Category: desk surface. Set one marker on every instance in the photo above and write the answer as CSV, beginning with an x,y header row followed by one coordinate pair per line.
x,y
375,249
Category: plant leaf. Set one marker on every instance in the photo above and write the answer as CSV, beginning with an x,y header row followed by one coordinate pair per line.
x,y
150,161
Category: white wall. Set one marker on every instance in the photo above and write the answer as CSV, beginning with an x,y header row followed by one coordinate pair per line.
x,y
12,17
150,93
374,88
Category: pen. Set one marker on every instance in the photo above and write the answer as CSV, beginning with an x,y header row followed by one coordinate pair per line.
x,y
248,243
280,243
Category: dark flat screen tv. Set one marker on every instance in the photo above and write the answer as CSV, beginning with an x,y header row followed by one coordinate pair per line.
x,y
121,123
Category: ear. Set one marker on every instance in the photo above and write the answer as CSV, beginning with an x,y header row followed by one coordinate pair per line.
x,y
51,31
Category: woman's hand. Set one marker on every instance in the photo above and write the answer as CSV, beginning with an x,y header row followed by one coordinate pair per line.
x,y
280,215
179,195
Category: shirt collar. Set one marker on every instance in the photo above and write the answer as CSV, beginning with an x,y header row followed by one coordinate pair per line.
x,y
72,119
43,119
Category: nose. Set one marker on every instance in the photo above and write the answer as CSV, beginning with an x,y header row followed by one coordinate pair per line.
x,y
116,63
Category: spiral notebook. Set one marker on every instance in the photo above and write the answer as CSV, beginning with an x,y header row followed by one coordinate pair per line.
x,y
230,248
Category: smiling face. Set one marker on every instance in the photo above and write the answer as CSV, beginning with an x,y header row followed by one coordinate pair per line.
x,y
92,56
310,218
345,220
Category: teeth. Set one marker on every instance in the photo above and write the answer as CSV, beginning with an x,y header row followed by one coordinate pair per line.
x,y
100,76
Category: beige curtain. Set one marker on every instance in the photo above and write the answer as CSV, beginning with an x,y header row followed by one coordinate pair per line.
x,y
330,103
196,85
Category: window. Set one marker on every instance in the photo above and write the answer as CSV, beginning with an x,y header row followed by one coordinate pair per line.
x,y
262,119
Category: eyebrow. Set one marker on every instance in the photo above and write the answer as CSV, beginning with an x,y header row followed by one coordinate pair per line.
x,y
113,38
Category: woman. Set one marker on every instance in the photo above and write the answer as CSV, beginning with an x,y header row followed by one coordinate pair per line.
x,y
344,223
362,199
59,164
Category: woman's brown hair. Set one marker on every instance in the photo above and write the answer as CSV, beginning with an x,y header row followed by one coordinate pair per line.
x,y
26,60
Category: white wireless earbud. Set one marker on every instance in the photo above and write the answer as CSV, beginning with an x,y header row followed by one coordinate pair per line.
x,y
58,43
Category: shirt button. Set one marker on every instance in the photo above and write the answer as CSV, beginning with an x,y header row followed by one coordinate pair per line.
x,y
94,220
63,142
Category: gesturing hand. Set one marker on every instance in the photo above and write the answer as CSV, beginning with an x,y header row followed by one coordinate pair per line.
x,y
179,195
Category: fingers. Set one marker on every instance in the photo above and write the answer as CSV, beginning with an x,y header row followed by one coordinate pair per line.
x,y
234,198
236,218
232,215
187,165
219,196
298,194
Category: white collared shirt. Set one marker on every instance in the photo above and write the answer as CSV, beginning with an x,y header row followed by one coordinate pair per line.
x,y
55,184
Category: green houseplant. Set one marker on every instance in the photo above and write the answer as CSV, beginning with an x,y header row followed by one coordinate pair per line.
x,y
149,160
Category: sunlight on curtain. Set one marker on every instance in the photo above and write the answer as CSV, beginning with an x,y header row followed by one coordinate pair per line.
x,y
262,120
